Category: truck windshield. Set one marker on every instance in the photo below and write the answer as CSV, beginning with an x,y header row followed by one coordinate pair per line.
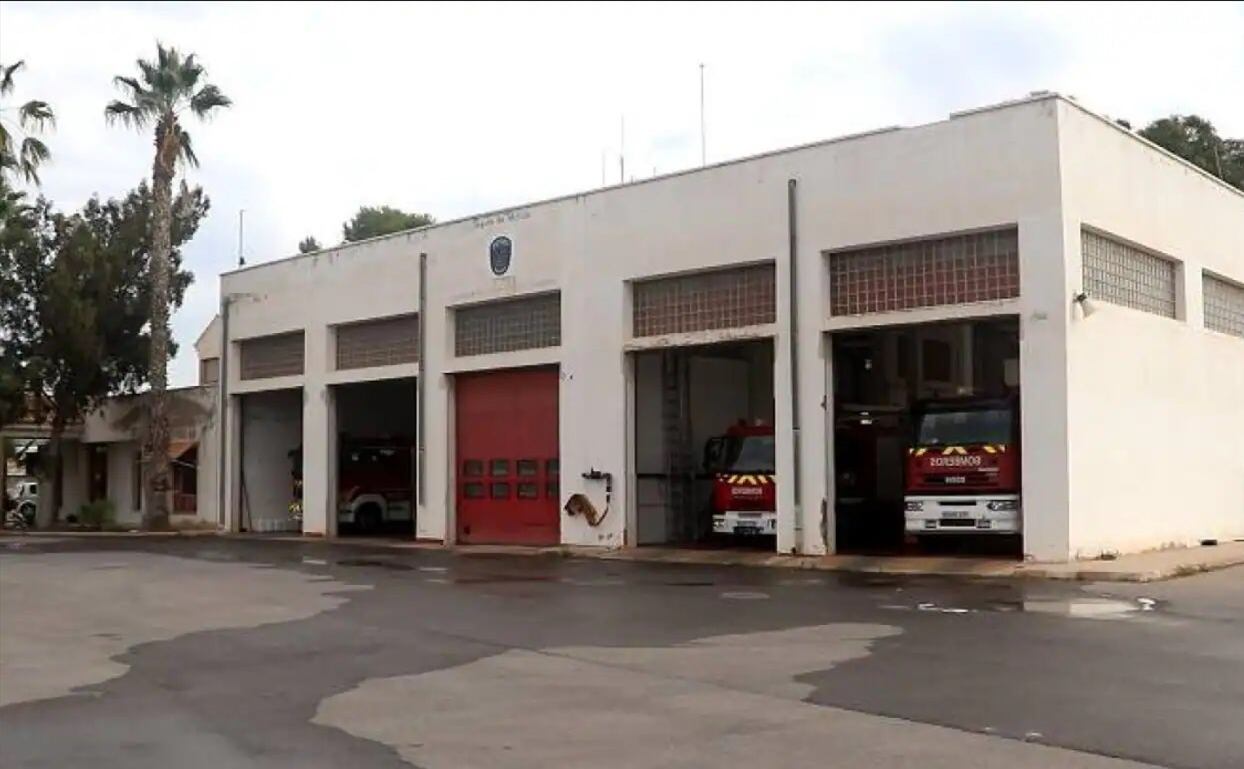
x,y
751,454
953,428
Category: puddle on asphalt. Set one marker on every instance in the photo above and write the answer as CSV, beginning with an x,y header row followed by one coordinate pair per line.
x,y
1076,608
593,582
489,579
1089,608
393,565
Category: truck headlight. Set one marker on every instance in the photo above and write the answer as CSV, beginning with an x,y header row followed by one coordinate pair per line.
x,y
1000,505
914,507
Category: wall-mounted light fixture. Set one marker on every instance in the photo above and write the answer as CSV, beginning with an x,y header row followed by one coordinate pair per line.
x,y
1087,307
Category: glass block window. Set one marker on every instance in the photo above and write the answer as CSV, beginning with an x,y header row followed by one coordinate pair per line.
x,y
743,296
209,371
1224,305
384,342
1123,274
505,326
269,356
958,269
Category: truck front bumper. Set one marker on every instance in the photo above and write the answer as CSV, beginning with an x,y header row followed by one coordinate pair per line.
x,y
763,522
993,514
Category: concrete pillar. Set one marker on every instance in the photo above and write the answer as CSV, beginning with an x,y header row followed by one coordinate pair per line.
x,y
317,403
816,527
1048,279
315,500
786,443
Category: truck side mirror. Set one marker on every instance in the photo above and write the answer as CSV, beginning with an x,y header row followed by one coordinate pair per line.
x,y
714,454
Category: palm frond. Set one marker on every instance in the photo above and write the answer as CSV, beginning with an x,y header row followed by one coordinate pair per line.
x,y
6,75
36,114
208,98
186,148
189,74
150,72
33,154
127,114
166,57
133,88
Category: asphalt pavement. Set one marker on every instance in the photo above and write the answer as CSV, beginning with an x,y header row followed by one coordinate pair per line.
x,y
210,652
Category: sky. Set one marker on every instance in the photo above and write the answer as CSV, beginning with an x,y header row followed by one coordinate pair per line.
x,y
458,109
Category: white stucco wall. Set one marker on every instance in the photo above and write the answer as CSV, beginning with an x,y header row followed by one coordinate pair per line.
x,y
987,168
373,279
1156,406
983,169
208,343
1103,398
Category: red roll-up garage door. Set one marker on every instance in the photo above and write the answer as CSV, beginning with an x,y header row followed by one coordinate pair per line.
x,y
507,472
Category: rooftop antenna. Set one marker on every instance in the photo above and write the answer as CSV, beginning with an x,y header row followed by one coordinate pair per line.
x,y
622,151
703,149
241,231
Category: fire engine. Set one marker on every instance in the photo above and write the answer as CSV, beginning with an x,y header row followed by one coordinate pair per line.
x,y
375,484
744,497
962,472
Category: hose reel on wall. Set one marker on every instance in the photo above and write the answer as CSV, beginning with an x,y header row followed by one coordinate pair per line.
x,y
580,504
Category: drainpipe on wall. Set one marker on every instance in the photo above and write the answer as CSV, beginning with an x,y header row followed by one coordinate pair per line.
x,y
222,412
421,394
793,262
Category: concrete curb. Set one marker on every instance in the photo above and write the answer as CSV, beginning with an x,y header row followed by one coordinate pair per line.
x,y
1176,563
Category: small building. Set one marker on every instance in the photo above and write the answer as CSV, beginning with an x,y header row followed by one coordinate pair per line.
x,y
102,458
488,369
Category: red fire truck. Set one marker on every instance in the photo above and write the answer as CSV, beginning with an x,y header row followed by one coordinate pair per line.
x,y
963,468
375,483
744,498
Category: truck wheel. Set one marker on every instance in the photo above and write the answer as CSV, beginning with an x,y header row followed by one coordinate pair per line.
x,y
368,518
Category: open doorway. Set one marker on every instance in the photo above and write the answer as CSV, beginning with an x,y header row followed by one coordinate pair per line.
x,y
376,458
704,446
926,438
270,484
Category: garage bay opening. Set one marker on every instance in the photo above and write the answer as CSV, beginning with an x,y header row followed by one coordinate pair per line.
x,y
376,458
926,438
705,469
270,482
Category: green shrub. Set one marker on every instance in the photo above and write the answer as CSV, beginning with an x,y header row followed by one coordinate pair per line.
x,y
97,514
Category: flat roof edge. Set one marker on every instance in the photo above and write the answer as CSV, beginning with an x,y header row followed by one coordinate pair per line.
x,y
1135,135
1032,98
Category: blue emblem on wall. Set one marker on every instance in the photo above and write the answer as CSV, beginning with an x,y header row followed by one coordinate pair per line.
x,y
500,253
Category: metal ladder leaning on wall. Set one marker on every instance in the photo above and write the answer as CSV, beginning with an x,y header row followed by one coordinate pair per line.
x,y
675,433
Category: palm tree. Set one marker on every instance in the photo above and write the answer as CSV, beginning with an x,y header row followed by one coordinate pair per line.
x,y
164,91
22,159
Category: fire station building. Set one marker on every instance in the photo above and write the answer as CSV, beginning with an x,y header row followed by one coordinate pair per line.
x,y
554,372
